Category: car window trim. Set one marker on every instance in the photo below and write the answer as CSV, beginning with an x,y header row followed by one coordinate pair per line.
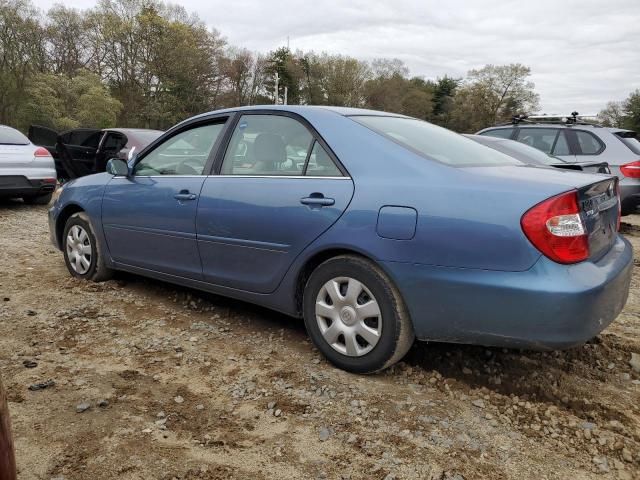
x,y
180,128
217,168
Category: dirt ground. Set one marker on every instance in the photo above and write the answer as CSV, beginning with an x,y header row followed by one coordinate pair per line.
x,y
154,381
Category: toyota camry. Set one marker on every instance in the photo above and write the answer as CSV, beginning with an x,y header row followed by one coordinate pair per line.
x,y
375,228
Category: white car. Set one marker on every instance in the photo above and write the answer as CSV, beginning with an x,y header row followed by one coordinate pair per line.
x,y
26,170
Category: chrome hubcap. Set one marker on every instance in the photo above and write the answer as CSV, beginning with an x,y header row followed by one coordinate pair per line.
x,y
348,316
79,249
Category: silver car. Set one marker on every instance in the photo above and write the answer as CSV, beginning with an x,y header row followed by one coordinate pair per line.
x,y
577,142
26,170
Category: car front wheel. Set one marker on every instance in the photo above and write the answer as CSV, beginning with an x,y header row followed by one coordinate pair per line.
x,y
82,253
356,316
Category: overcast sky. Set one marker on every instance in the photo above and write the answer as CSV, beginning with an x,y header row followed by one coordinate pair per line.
x,y
582,53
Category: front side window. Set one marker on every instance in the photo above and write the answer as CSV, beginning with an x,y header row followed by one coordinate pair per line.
x,y
435,142
540,138
271,145
183,154
588,144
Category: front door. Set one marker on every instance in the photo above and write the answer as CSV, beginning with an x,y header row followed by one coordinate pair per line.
x,y
149,219
279,189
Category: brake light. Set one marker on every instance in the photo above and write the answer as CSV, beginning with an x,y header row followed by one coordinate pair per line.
x,y
556,228
41,152
631,170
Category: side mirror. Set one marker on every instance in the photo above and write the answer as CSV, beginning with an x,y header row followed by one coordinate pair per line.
x,y
117,167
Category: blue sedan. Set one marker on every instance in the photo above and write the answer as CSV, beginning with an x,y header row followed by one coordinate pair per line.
x,y
375,228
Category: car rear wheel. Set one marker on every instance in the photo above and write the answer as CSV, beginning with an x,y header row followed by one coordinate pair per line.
x,y
38,200
82,253
356,316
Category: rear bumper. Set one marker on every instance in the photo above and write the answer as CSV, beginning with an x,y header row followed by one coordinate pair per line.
x,y
549,306
19,186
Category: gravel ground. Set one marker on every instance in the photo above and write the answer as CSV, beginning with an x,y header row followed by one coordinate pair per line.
x,y
152,381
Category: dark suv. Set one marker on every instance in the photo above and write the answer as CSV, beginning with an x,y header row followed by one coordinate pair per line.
x,y
576,141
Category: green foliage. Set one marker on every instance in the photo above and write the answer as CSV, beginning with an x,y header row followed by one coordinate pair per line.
x,y
60,102
492,94
632,111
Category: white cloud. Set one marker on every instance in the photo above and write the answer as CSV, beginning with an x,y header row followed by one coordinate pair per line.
x,y
582,53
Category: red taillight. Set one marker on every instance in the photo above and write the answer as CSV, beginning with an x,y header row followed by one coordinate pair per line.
x,y
631,170
556,228
41,152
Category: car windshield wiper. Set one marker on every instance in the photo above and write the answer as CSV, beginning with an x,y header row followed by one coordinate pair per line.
x,y
7,143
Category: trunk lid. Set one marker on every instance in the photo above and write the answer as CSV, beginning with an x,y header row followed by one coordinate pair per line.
x,y
597,196
12,156
599,204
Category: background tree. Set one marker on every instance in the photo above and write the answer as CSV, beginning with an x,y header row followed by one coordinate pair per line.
x,y
491,95
632,112
61,102
21,54
147,63
612,115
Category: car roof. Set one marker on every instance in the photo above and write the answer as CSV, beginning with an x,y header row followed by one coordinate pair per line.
x,y
132,130
302,109
579,126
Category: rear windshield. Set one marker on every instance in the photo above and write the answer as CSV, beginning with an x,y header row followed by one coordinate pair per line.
x,y
435,143
11,136
630,139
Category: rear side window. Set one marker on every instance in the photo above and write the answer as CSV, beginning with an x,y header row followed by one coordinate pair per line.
x,y
630,139
11,136
435,143
499,132
267,145
588,143
540,138
320,163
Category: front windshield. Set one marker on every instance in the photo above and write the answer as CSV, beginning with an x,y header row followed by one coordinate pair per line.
x,y
435,142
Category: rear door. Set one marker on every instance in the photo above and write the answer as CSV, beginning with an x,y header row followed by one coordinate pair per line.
x,y
279,188
82,145
44,137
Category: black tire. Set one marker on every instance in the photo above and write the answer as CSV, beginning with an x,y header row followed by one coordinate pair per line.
x,y
38,200
97,270
396,334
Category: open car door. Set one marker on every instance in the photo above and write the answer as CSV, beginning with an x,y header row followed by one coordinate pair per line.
x,y
44,137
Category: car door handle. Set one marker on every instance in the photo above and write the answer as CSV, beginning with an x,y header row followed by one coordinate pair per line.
x,y
185,195
317,201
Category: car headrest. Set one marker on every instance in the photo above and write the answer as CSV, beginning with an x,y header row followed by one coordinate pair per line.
x,y
269,148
